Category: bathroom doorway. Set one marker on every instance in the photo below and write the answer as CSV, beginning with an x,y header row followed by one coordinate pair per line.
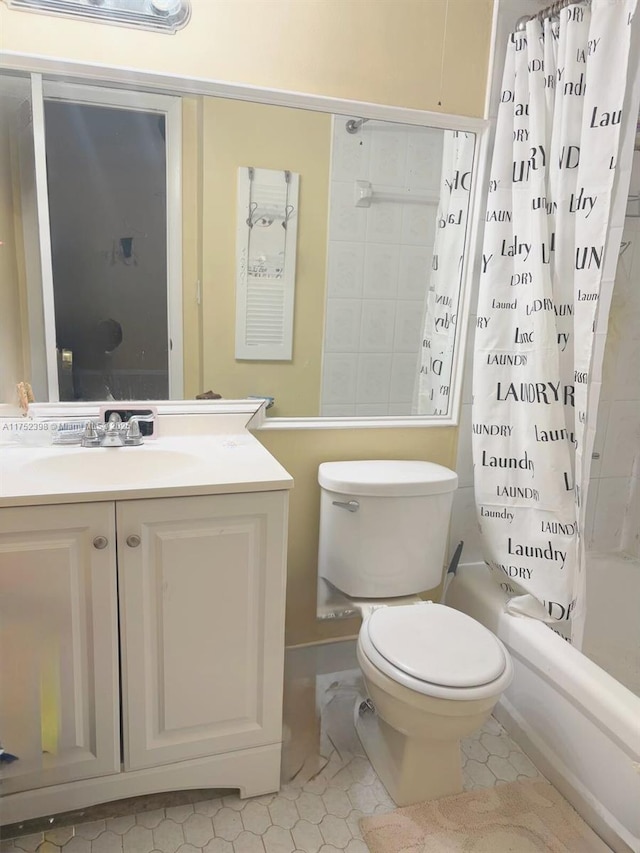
x,y
110,293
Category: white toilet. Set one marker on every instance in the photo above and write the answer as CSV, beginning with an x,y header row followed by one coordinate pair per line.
x,y
432,673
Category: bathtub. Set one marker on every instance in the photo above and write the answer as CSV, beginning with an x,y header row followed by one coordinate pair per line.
x,y
578,724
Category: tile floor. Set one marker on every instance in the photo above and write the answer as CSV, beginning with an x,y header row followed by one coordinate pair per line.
x,y
331,786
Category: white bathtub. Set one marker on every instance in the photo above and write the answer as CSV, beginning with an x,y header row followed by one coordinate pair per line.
x,y
579,725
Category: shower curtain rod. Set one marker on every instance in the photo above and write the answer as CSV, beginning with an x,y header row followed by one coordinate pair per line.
x,y
548,12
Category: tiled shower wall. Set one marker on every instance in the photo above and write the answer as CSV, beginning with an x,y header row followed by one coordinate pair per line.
x,y
613,509
378,267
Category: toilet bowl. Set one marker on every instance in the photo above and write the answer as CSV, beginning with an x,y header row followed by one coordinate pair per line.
x,y
433,674
433,679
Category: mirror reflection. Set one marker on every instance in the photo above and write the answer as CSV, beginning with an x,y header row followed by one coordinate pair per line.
x,y
106,172
124,234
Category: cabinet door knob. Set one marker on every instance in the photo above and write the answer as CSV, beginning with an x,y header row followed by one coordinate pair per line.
x,y
100,542
133,541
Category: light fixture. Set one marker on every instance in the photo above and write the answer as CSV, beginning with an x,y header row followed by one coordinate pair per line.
x,y
164,16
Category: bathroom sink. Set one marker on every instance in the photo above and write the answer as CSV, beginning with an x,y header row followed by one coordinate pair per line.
x,y
122,466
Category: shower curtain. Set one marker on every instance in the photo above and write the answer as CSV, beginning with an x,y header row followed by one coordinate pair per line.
x,y
557,190
435,360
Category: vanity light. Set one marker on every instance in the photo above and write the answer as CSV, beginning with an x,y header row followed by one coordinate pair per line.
x,y
164,16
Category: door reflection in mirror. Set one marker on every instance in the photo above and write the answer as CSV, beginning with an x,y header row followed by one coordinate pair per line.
x,y
106,171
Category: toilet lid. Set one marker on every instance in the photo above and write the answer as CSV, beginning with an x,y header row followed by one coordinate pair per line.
x,y
436,644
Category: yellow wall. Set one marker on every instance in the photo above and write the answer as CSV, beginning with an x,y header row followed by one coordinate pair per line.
x,y
12,368
237,133
424,54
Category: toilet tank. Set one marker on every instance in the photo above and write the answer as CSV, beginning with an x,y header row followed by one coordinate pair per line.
x,y
384,525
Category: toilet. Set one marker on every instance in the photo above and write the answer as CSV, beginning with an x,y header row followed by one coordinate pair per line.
x,y
433,674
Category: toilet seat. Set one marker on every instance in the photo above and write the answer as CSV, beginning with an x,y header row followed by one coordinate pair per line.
x,y
436,650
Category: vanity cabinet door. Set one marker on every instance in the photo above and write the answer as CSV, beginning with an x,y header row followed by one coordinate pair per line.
x,y
59,703
202,592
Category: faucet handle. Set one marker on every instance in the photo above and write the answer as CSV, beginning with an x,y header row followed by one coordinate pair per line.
x,y
133,436
91,436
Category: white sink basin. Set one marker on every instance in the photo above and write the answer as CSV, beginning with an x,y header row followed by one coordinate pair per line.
x,y
121,466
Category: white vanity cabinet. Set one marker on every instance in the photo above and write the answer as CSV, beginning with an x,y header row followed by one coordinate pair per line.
x,y
162,617
202,617
59,702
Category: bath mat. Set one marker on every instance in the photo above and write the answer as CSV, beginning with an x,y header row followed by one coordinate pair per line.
x,y
521,817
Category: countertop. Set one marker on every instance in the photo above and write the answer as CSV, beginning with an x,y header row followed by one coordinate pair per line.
x,y
170,466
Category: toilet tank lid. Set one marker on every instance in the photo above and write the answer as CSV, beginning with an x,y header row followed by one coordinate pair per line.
x,y
387,477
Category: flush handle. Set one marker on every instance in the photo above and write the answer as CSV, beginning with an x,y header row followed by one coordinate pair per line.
x,y
100,542
350,506
133,541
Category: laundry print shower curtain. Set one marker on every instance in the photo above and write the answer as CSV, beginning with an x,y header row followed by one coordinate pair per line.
x,y
435,361
559,179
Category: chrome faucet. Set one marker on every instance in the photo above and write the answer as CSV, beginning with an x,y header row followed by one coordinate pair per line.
x,y
115,433
133,436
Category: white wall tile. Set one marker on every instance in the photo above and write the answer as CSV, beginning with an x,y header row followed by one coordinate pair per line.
x,y
610,512
384,224
627,375
424,159
342,329
346,221
345,269
345,411
631,526
377,330
388,155
374,378
372,410
404,369
350,153
418,224
381,264
339,378
400,409
608,370
623,438
414,272
408,327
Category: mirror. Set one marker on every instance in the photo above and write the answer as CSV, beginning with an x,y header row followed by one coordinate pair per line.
x,y
381,220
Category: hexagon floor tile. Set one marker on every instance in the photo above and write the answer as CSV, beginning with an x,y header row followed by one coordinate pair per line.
x,y
317,809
